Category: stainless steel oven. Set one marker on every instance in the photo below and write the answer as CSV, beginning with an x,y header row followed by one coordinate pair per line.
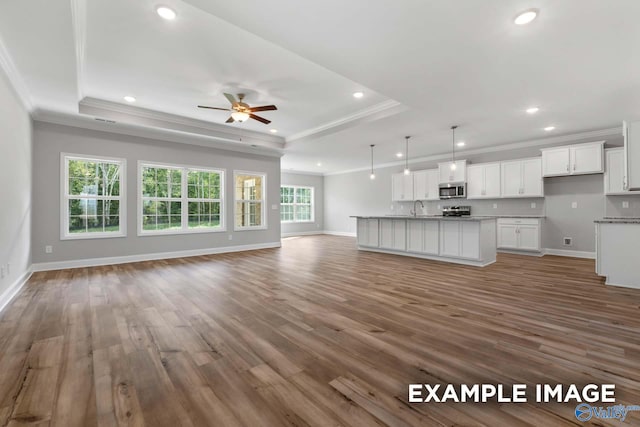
x,y
453,191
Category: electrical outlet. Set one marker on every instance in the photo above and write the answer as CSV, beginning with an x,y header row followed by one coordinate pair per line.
x,y
48,249
567,241
274,207
625,204
495,206
317,225
230,236
574,205
533,205
439,207
392,206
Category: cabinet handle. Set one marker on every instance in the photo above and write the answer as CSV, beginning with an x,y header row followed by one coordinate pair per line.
x,y
624,183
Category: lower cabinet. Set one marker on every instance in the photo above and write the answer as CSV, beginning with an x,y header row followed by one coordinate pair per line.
x,y
368,232
460,239
519,234
423,237
393,234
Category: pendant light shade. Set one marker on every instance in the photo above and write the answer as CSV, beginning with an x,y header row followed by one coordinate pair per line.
x,y
373,175
453,148
407,171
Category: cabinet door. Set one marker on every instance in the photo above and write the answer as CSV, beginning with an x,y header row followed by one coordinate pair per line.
x,y
528,237
475,182
491,180
434,184
460,174
431,237
415,236
397,187
362,232
445,173
555,161
407,187
470,239
373,232
511,178
614,172
507,236
532,184
586,158
399,235
386,233
421,185
632,155
450,238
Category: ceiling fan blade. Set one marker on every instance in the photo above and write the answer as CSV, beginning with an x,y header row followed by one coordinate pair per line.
x,y
214,108
230,120
260,119
263,108
231,98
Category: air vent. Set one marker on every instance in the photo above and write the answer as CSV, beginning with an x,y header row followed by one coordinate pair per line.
x,y
568,241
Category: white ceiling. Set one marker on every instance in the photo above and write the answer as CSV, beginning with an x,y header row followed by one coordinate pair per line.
x,y
445,62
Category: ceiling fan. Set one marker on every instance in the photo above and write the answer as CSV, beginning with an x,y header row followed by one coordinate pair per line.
x,y
241,111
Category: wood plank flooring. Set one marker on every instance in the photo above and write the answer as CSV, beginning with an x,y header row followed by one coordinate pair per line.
x,y
312,334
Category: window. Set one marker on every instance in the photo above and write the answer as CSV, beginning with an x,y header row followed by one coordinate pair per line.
x,y
92,197
250,200
296,204
178,199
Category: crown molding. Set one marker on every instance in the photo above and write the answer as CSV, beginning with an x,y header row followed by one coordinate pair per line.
x,y
375,112
79,18
129,114
15,80
297,172
554,140
151,132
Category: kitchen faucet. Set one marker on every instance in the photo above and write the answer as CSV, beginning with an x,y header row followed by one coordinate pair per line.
x,y
414,212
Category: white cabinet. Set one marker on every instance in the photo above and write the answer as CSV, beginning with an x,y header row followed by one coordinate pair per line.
x,y
614,178
448,175
631,132
393,234
483,181
401,187
460,239
423,236
368,232
576,159
425,185
519,234
522,178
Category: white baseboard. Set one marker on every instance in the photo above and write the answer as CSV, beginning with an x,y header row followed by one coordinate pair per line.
x,y
568,253
94,262
8,295
516,252
302,233
339,233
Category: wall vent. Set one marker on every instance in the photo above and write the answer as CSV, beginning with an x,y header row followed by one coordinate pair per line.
x,y
568,241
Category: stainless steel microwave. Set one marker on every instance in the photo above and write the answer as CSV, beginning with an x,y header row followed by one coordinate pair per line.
x,y
453,191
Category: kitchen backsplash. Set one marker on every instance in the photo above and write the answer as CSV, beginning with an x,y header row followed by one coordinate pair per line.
x,y
614,206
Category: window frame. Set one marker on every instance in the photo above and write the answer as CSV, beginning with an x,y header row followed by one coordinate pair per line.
x,y
312,205
263,219
65,197
184,199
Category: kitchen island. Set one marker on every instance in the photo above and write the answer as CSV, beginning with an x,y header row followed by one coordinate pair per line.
x,y
469,240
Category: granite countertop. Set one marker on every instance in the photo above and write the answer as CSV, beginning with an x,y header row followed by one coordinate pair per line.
x,y
426,217
515,216
617,220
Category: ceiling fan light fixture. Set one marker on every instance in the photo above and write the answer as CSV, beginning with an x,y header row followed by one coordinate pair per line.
x,y
240,116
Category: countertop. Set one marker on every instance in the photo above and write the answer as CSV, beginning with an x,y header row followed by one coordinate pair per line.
x,y
426,217
617,220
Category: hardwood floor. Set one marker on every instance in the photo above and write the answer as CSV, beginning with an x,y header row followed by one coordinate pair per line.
x,y
314,333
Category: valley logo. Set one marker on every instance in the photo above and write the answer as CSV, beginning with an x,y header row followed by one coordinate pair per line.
x,y
584,412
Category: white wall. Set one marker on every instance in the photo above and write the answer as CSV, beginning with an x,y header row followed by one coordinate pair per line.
x,y
50,140
317,182
15,187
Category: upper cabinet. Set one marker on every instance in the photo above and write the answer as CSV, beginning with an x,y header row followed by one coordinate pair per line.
x,y
483,181
631,132
522,178
448,175
614,178
425,185
401,187
577,159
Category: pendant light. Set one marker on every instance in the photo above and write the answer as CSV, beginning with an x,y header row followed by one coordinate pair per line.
x,y
406,155
373,175
453,148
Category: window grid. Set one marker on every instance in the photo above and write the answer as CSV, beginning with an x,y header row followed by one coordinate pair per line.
x,y
249,198
296,204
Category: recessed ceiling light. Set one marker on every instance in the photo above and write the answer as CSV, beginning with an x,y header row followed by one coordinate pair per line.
x,y
461,144
166,13
129,98
533,110
274,131
549,128
358,94
319,164
398,154
525,17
